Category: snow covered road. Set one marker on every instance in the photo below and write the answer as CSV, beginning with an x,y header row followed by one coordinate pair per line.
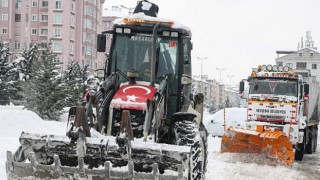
x,y
220,166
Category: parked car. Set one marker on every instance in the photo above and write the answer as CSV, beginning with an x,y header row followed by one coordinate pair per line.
x,y
235,117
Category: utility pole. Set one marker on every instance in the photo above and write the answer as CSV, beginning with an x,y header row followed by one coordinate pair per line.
x,y
201,59
220,69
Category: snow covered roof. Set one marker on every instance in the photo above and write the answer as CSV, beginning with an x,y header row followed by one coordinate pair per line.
x,y
295,52
109,13
142,16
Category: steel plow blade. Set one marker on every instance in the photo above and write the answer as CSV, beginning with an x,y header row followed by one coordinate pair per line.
x,y
274,144
34,170
52,156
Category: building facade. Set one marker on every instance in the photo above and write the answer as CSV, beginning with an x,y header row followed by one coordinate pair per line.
x,y
70,26
109,15
306,60
215,93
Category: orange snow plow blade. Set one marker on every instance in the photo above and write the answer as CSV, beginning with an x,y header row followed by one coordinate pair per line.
x,y
273,143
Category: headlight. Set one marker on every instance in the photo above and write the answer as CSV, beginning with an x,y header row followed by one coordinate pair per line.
x,y
275,68
280,68
264,67
269,67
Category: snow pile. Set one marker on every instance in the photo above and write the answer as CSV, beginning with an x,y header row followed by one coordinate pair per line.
x,y
14,120
230,116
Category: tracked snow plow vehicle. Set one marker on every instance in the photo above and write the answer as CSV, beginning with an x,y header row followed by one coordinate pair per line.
x,y
149,123
282,117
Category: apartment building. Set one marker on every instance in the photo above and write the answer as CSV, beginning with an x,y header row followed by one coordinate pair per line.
x,y
305,60
70,25
109,15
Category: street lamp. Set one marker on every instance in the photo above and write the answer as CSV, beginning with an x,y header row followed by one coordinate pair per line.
x,y
220,69
201,59
230,76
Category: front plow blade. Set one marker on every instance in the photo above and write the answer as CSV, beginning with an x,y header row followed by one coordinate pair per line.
x,y
53,156
274,144
34,170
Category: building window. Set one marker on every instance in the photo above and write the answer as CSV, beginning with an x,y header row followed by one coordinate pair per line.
x,y
33,31
314,66
27,31
88,50
301,65
58,4
34,17
72,20
57,33
107,25
300,54
4,30
311,54
88,10
56,47
44,32
18,4
17,17
56,59
43,45
72,7
44,18
71,34
4,3
57,19
289,65
34,3
4,17
280,63
45,4
17,44
88,23
71,48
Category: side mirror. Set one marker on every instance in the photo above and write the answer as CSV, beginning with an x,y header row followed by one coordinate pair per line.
x,y
101,42
185,79
241,89
241,86
306,89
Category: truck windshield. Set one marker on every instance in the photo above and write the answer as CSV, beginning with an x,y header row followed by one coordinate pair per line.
x,y
135,52
274,86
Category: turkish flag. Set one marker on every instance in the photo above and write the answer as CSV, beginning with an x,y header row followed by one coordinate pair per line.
x,y
172,43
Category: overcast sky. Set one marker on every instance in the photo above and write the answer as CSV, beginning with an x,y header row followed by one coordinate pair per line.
x,y
239,34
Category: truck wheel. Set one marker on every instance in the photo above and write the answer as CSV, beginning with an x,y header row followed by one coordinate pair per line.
x,y
310,144
188,134
298,156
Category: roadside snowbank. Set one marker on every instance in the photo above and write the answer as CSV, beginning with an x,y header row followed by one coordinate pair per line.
x,y
14,120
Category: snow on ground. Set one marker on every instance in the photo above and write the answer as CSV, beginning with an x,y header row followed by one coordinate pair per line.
x,y
15,119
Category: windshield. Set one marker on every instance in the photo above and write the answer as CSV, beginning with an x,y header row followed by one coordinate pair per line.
x,y
274,86
135,52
